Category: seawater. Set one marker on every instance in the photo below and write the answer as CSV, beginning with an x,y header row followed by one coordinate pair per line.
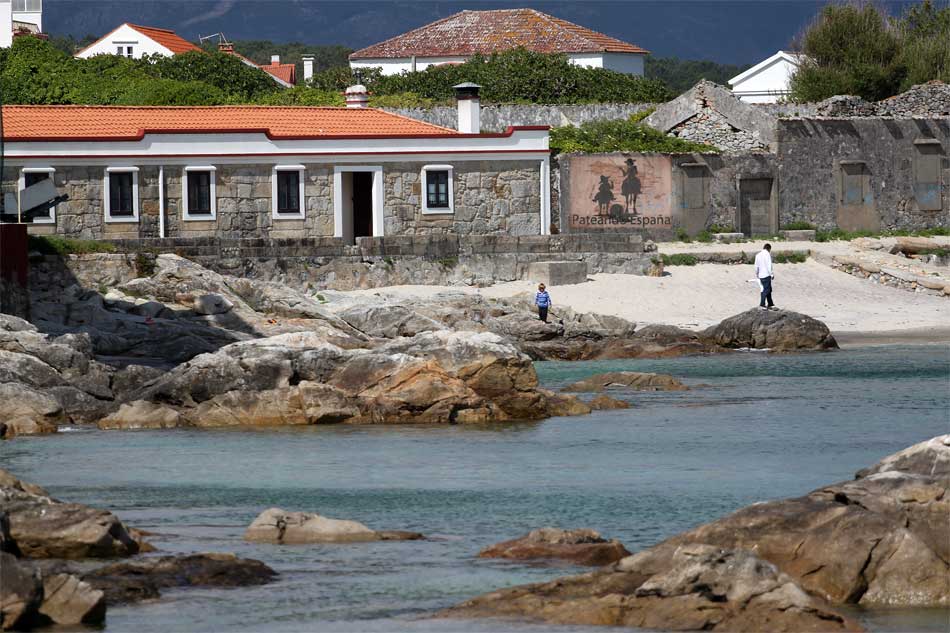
x,y
753,427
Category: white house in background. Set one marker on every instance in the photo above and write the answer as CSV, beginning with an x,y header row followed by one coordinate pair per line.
x,y
768,81
134,41
454,39
19,16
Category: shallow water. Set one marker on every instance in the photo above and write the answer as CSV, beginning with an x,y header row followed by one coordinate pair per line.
x,y
755,427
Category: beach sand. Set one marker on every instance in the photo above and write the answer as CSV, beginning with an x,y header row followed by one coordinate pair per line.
x,y
695,297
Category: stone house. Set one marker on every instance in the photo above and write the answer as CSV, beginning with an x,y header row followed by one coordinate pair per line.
x,y
276,172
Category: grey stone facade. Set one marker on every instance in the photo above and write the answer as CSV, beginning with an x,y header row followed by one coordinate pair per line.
x,y
497,118
490,197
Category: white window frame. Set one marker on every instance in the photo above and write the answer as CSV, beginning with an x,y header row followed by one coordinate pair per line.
x,y
377,171
300,215
107,196
425,190
21,185
187,217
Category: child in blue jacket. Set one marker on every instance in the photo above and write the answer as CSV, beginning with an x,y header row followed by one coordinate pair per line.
x,y
543,301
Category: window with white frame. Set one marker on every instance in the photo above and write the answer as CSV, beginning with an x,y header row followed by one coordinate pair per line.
x,y
29,176
198,193
27,6
121,194
287,199
437,189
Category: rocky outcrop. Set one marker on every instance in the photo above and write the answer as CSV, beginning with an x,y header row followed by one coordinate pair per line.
x,y
28,598
582,547
42,527
780,331
301,378
704,588
639,381
879,540
280,526
603,402
142,579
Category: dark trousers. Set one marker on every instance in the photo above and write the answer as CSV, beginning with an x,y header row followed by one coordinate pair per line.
x,y
766,294
543,313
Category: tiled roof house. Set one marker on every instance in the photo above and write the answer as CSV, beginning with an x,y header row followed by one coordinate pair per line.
x,y
457,37
275,171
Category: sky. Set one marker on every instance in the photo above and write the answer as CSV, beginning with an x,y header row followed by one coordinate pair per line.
x,y
726,31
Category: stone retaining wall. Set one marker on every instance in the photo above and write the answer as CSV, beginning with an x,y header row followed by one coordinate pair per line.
x,y
497,118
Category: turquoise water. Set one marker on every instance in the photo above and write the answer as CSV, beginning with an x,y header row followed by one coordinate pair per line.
x,y
755,427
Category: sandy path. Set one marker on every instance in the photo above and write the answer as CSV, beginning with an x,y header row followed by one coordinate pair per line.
x,y
699,296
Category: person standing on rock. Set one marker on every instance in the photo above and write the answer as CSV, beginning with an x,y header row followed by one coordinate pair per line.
x,y
763,272
543,301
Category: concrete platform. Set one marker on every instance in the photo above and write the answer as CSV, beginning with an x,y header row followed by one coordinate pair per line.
x,y
558,273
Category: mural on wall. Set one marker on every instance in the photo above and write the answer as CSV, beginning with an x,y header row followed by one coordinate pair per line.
x,y
631,191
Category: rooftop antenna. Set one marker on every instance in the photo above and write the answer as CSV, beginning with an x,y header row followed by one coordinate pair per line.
x,y
221,38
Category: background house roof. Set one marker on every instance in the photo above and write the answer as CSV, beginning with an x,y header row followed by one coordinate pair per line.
x,y
485,32
285,72
793,58
164,37
105,123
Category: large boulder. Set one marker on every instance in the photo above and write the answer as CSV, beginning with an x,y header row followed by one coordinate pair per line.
x,y
21,593
778,330
704,588
29,598
280,526
141,415
28,411
639,381
69,600
582,547
43,527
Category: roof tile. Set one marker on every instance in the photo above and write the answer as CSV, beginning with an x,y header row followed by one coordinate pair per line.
x,y
485,32
105,123
168,39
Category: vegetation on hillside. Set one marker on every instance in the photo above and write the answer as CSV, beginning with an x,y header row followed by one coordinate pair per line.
x,y
858,49
680,75
33,71
260,51
628,135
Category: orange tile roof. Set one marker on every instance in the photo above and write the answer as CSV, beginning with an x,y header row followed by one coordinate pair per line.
x,y
113,123
485,32
168,39
284,72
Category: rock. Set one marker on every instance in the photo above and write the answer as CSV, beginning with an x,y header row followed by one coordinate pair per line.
x,y
389,321
150,309
43,527
69,600
10,323
882,539
704,588
639,381
603,402
582,547
142,579
141,415
211,304
280,526
914,245
767,329
28,411
133,377
21,593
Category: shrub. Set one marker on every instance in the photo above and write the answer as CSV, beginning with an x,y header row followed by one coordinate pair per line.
x,y
302,96
620,136
790,258
679,259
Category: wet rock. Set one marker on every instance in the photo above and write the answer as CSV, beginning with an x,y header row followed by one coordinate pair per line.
x,y
582,547
43,527
636,380
704,588
21,594
141,415
603,402
280,526
144,578
69,600
767,329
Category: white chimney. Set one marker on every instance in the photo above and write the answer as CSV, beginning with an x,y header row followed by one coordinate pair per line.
x,y
275,59
469,108
356,96
307,67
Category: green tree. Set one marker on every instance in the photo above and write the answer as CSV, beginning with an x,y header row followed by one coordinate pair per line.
x,y
858,49
226,72
682,74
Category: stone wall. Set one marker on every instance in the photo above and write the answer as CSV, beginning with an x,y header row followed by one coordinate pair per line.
x,y
497,118
490,197
814,153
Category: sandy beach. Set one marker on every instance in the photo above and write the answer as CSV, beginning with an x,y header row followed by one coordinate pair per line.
x,y
695,297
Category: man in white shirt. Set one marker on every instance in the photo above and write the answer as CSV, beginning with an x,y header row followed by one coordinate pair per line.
x,y
763,272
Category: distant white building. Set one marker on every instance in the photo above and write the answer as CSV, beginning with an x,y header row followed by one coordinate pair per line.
x,y
25,16
134,41
768,81
456,38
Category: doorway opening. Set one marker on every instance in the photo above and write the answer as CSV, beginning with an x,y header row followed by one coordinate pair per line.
x,y
355,203
755,206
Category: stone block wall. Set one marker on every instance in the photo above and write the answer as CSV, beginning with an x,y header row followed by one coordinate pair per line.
x,y
497,118
490,197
